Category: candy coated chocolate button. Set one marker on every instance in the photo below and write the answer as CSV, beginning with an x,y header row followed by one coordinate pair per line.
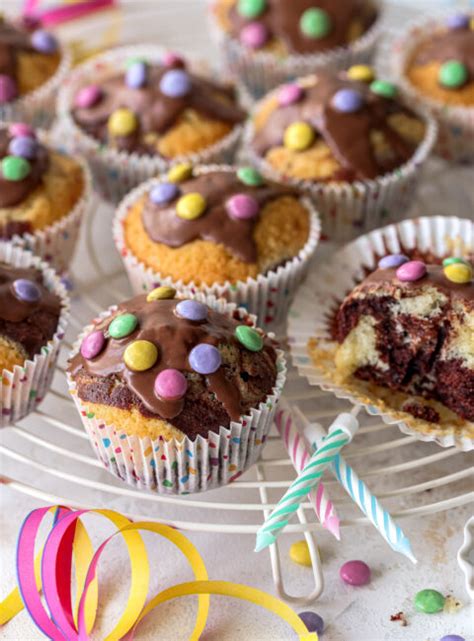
x,y
163,193
205,359
15,168
251,8
136,75
429,601
172,59
459,273
254,35
452,637
289,94
191,206
93,344
315,23
249,176
170,384
26,290
298,136
180,172
8,89
88,96
347,101
392,261
192,310
383,88
122,122
452,260
312,621
453,74
43,41
361,73
161,293
249,337
242,207
175,83
411,271
23,146
458,21
21,129
299,553
140,355
123,325
355,573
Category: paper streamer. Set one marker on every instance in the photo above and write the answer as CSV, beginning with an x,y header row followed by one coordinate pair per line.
x,y
68,547
64,12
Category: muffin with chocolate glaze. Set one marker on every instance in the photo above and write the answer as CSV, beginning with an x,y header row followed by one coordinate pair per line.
x,y
145,111
349,139
187,388
221,230
42,194
268,42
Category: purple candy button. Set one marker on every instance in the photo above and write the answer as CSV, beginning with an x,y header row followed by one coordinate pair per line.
x,y
88,96
242,207
392,261
254,35
347,101
163,193
205,359
411,271
458,21
175,83
355,573
312,621
452,637
192,310
8,89
93,344
289,94
136,75
21,129
26,290
44,41
23,146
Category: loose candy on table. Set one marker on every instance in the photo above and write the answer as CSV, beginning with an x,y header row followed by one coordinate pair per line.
x,y
15,168
242,207
136,75
192,310
315,23
383,88
355,573
140,355
429,601
299,553
163,193
123,325
452,637
289,94
161,293
347,101
191,206
93,344
250,176
298,136
312,621
43,41
251,8
26,290
460,273
205,358
392,261
249,337
21,129
411,271
180,172
8,89
122,122
88,96
23,146
254,35
453,74
361,73
170,384
175,83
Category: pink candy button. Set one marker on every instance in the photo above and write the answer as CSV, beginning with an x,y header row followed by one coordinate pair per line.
x,y
411,271
355,573
242,207
170,385
88,96
254,35
93,344
172,59
20,129
289,94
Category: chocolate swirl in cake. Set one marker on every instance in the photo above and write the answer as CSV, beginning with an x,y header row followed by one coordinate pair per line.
x,y
12,40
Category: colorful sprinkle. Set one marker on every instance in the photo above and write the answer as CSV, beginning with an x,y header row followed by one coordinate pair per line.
x,y
15,168
298,136
460,273
122,122
163,193
249,176
192,310
458,21
312,621
21,129
88,96
453,74
249,337
411,271
355,573
175,83
43,41
242,207
23,146
429,601
452,260
140,355
289,94
181,172
93,344
123,325
383,88
251,8
26,290
299,553
315,23
136,75
170,385
347,101
161,293
8,89
205,358
254,35
191,206
393,261
361,73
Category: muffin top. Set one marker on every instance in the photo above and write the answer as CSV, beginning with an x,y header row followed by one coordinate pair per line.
x,y
17,43
296,26
343,127
136,111
175,360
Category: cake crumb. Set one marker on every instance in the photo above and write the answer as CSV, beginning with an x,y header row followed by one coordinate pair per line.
x,y
399,616
452,604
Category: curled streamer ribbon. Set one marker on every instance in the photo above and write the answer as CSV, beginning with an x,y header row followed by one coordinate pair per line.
x,y
63,12
68,546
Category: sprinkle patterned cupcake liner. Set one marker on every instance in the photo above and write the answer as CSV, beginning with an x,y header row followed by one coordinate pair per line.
x,y
350,209
22,389
315,303
183,466
268,296
456,123
117,172
262,71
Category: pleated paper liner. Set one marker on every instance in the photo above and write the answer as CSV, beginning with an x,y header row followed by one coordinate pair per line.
x,y
310,340
350,209
456,123
183,466
262,71
117,172
268,296
23,388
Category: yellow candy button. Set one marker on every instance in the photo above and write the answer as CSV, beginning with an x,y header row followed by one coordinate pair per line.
x,y
298,136
122,122
458,273
180,172
140,355
299,553
362,73
161,293
191,206
471,24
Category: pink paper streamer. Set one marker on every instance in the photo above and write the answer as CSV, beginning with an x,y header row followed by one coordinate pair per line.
x,y
63,13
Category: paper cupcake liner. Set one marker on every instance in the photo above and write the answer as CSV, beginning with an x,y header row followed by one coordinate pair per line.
x,y
268,296
183,466
117,172
23,388
456,123
38,107
350,209
261,71
326,288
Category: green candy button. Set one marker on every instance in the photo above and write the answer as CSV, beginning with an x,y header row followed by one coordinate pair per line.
x,y
429,601
383,88
15,168
123,325
251,8
454,260
249,176
453,74
249,337
315,23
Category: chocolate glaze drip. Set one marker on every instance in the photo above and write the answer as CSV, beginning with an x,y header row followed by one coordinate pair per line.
x,y
13,192
282,18
164,226
12,40
156,112
347,134
455,44
174,338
